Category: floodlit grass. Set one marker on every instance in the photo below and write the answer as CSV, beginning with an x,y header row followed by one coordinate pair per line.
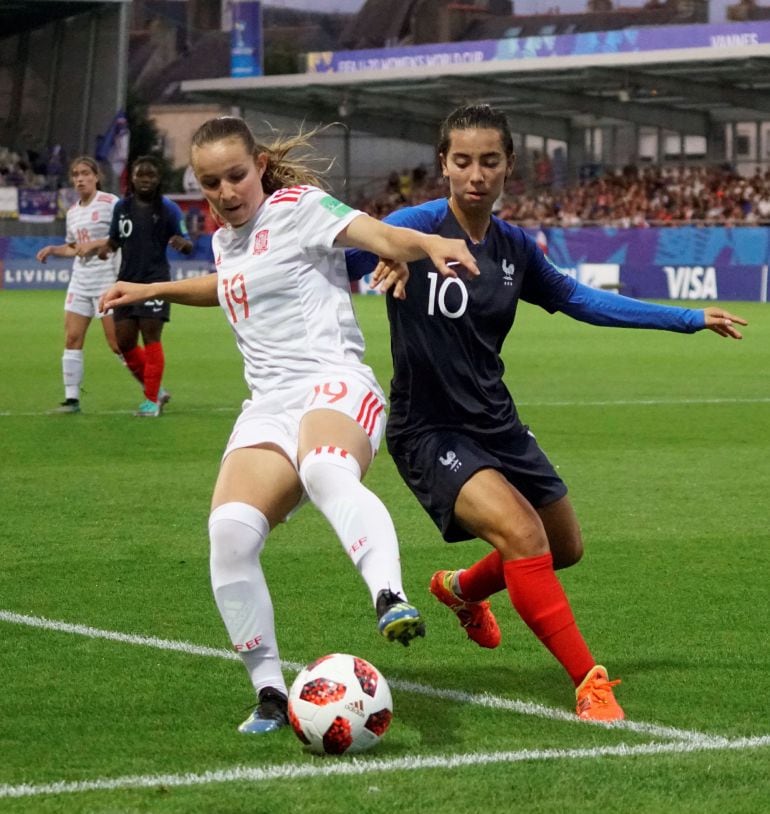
x,y
664,441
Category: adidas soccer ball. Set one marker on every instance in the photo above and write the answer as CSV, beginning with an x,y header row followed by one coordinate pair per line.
x,y
340,704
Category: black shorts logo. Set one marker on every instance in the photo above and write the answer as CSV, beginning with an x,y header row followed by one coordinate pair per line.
x,y
451,460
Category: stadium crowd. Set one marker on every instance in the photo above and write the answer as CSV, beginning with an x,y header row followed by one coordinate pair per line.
x,y
32,169
634,196
630,197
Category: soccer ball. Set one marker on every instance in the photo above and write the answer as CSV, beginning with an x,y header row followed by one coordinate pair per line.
x,y
340,704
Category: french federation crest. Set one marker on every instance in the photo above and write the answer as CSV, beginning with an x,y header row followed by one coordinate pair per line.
x,y
260,242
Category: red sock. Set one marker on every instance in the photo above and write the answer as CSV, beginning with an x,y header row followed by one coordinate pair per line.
x,y
483,578
537,595
153,369
134,360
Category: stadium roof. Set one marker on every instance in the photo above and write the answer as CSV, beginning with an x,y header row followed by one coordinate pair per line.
x,y
25,15
683,90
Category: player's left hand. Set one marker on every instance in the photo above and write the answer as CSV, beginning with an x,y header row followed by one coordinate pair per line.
x,y
723,322
391,275
180,243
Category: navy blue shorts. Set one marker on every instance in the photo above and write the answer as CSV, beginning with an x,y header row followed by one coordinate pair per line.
x,y
149,309
436,464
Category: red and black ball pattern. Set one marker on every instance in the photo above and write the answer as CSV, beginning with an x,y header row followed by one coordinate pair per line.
x,y
366,675
321,691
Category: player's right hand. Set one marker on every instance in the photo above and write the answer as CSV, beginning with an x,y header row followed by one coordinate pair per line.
x,y
390,274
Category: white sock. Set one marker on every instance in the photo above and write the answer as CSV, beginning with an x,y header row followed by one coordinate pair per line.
x,y
237,533
72,372
332,480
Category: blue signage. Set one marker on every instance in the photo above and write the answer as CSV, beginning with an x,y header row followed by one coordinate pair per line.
x,y
715,37
246,38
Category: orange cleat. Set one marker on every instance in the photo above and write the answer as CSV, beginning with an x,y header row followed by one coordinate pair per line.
x,y
476,617
595,700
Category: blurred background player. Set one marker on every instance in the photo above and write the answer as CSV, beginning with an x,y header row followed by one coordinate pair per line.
x,y
453,429
316,414
88,224
144,224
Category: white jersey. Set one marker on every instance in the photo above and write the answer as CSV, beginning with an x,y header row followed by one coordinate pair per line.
x,y
91,276
285,289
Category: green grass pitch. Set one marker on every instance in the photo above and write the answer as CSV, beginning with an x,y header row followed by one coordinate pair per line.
x,y
664,441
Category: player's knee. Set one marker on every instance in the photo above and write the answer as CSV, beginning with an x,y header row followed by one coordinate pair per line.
x,y
237,533
567,553
518,540
326,471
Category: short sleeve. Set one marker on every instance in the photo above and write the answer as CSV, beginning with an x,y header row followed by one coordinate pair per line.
x,y
320,217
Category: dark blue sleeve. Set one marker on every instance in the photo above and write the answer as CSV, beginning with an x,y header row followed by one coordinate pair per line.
x,y
176,218
116,212
544,284
608,309
361,263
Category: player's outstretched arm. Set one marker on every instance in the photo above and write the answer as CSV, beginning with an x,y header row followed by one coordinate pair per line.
x,y
200,291
723,322
398,243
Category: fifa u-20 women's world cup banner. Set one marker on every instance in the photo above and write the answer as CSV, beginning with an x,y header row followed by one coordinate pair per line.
x,y
629,40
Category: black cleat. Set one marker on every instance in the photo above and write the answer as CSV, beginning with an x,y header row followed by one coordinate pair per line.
x,y
398,620
270,713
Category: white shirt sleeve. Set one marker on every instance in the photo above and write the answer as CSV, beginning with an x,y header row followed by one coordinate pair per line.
x,y
320,217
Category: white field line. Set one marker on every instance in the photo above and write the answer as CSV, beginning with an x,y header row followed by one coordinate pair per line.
x,y
457,696
652,402
358,766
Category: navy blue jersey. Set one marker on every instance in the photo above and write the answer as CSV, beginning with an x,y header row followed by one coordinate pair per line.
x,y
447,334
142,230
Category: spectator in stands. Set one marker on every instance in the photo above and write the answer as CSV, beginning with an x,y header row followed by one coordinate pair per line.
x,y
453,429
88,224
143,225
315,416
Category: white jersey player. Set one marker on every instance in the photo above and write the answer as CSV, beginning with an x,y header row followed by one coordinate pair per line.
x,y
316,413
87,221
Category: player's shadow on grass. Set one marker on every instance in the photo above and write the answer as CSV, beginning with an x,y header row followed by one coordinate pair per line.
x,y
443,722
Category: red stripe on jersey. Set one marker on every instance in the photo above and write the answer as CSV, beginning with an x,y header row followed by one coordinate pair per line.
x,y
104,198
289,195
371,407
373,417
364,404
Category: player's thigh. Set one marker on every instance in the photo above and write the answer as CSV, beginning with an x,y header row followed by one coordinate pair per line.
x,y
332,428
491,508
261,476
75,327
343,409
563,532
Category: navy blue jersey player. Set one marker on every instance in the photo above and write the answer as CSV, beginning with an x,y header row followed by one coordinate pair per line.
x,y
144,224
453,430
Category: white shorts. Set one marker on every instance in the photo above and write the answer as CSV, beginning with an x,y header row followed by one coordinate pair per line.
x,y
275,419
83,304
